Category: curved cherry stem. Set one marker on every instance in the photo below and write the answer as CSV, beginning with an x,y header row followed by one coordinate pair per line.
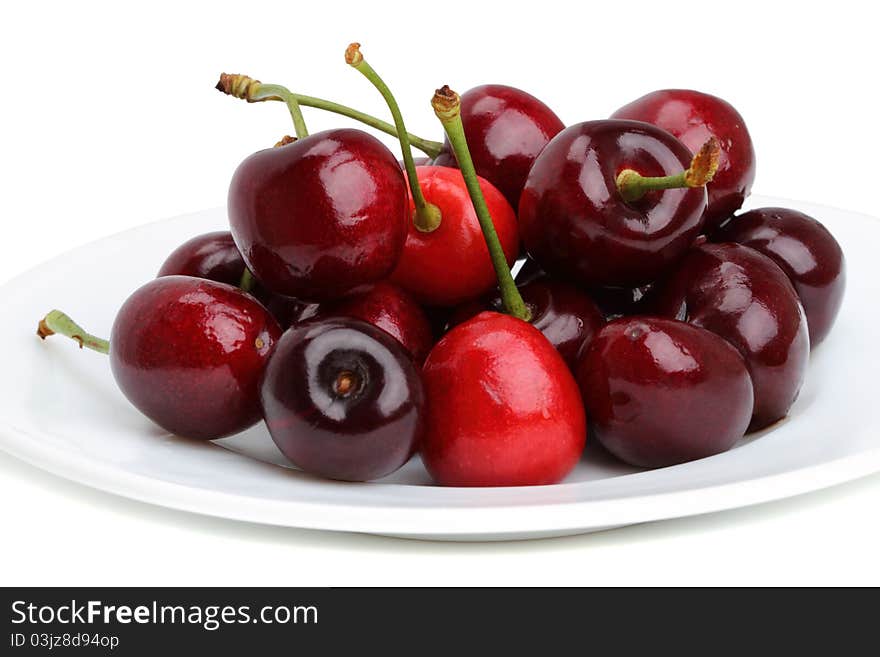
x,y
447,107
428,216
632,185
247,282
57,322
238,85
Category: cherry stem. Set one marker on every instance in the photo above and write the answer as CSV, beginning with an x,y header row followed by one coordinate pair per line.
x,y
632,185
238,86
447,107
428,216
57,322
247,282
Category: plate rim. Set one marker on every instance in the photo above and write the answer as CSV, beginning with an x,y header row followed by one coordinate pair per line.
x,y
458,522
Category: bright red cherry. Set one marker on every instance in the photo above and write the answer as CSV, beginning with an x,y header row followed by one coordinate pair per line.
x,y
212,256
342,399
503,408
577,224
388,307
805,250
187,352
317,217
567,317
506,129
450,264
661,392
694,117
744,297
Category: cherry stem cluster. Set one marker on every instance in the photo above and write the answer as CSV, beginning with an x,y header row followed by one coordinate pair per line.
x,y
447,107
241,86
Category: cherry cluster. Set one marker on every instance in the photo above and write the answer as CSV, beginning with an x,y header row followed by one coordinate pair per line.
x,y
367,310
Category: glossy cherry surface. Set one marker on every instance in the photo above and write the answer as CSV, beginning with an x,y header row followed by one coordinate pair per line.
x,y
503,408
212,256
574,222
189,353
661,392
617,302
506,129
805,250
567,317
390,308
693,117
744,297
320,216
342,399
451,264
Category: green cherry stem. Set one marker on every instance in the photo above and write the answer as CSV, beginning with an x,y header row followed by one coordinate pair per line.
x,y
254,91
427,217
239,86
632,185
57,322
447,107
247,282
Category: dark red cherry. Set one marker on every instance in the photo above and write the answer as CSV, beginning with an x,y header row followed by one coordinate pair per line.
x,y
744,297
567,317
661,392
805,250
212,256
320,216
189,353
451,264
506,129
503,408
388,307
342,399
693,117
577,226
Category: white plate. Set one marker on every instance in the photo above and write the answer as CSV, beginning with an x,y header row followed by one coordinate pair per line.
x,y
61,411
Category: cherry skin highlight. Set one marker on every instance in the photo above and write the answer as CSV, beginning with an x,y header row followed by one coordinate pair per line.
x,y
805,251
321,215
567,317
693,117
343,400
576,225
451,264
744,297
506,129
188,353
503,408
661,392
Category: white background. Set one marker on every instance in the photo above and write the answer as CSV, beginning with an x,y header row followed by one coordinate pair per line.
x,y
109,119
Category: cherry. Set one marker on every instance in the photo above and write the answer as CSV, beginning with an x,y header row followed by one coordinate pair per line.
x,y
187,352
503,410
445,260
805,250
450,264
567,317
661,392
317,217
744,297
342,399
388,307
602,205
212,256
506,129
694,117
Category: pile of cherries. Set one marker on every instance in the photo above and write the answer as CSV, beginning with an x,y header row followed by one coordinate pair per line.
x,y
366,308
